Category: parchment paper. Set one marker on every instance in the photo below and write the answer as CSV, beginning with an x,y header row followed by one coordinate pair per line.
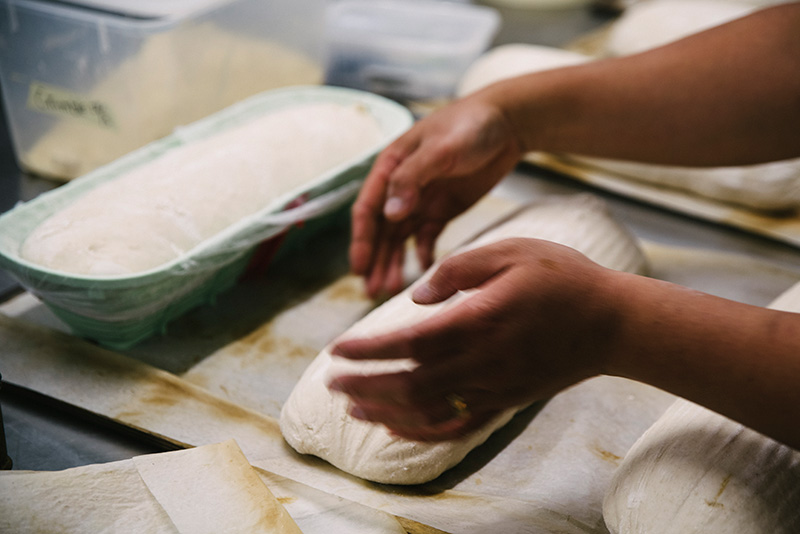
x,y
206,489
545,472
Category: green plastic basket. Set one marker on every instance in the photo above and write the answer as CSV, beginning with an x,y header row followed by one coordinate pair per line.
x,y
121,311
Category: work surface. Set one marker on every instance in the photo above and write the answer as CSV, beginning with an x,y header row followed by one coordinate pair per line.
x,y
700,255
43,435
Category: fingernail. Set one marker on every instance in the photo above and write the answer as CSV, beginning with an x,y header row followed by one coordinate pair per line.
x,y
394,206
422,294
336,386
357,413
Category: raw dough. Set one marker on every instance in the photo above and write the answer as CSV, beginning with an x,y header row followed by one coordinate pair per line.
x,y
697,471
315,421
653,23
770,187
508,61
160,210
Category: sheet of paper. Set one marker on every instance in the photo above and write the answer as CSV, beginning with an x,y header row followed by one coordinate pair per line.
x,y
213,489
205,489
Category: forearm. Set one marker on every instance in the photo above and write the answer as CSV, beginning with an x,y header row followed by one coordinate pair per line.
x,y
739,360
730,95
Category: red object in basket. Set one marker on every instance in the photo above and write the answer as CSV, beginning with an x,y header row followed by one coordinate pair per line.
x,y
266,250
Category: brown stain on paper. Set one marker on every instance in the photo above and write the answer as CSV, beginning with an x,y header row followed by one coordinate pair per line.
x,y
162,396
606,456
715,502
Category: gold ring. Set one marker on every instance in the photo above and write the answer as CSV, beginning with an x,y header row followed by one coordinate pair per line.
x,y
459,405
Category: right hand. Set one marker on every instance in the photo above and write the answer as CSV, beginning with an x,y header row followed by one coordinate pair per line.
x,y
435,171
541,317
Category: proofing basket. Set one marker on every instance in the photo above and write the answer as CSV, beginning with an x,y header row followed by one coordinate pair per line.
x,y
121,311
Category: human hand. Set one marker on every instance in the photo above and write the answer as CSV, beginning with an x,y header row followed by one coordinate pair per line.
x,y
432,173
540,320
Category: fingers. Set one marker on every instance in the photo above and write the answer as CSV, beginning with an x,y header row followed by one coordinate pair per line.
x,y
428,162
368,207
431,414
461,272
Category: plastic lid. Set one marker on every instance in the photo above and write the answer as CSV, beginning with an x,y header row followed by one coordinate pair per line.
x,y
145,8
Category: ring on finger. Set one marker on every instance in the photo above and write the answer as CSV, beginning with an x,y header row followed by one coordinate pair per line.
x,y
458,405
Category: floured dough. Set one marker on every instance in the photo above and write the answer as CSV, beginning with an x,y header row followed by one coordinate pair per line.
x,y
769,187
160,210
508,61
697,471
653,23
315,421
540,4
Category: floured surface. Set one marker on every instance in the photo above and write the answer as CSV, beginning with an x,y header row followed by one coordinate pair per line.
x,y
207,489
578,434
213,489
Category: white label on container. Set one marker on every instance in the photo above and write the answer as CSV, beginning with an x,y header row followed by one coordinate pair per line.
x,y
56,101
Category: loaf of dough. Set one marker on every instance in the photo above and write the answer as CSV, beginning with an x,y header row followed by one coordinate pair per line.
x,y
697,471
159,211
315,421
653,23
768,187
508,61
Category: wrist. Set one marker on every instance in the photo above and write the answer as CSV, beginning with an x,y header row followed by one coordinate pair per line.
x,y
619,305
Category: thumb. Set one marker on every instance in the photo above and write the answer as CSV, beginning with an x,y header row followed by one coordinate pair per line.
x,y
468,270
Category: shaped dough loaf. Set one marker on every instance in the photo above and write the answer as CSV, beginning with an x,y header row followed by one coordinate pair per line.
x,y
162,209
315,420
768,187
647,25
697,471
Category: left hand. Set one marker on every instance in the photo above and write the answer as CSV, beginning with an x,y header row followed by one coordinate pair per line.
x,y
538,323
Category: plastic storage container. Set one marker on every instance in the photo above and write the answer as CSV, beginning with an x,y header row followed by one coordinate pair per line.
x,y
120,311
411,49
87,81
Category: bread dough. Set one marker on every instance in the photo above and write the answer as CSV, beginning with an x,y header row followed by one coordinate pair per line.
x,y
653,23
315,421
697,471
769,187
160,210
508,61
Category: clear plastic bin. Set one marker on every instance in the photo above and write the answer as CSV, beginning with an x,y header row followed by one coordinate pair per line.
x,y
411,49
87,82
